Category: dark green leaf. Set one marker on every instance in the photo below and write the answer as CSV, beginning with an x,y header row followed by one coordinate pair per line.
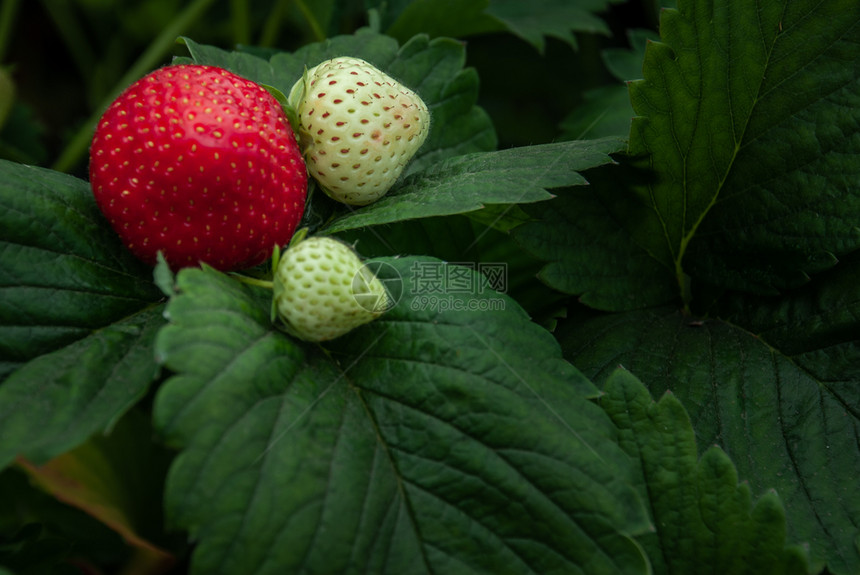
x,y
117,480
585,235
56,401
749,114
466,183
532,22
465,241
785,426
704,520
626,63
403,19
399,448
63,271
823,315
606,111
557,18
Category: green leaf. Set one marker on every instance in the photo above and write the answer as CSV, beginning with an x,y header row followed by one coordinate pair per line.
x,y
786,425
625,64
58,400
434,69
606,110
557,18
584,235
705,522
77,310
397,448
820,318
466,241
467,183
532,22
63,272
117,480
748,114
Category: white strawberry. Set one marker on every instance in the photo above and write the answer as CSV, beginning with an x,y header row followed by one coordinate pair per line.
x,y
358,128
322,290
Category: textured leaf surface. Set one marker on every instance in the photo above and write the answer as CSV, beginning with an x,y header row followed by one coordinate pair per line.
x,y
63,272
433,69
467,183
705,522
77,317
56,401
398,449
590,250
750,116
748,121
786,424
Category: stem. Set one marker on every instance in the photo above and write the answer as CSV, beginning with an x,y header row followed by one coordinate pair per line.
x,y
8,13
319,34
157,50
254,281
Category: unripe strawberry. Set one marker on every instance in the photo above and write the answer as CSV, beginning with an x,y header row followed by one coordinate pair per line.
x,y
322,290
201,164
358,128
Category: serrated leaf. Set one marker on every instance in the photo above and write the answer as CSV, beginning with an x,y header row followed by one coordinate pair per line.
x,y
58,400
63,271
749,114
433,69
785,427
400,448
625,64
467,183
532,22
606,111
705,522
584,235
556,18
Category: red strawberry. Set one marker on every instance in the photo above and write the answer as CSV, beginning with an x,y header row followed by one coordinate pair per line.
x,y
200,164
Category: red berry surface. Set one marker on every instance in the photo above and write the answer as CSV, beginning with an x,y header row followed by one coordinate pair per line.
x,y
200,164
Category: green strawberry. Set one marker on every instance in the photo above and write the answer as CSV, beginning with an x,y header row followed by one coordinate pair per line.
x,y
322,290
200,164
358,128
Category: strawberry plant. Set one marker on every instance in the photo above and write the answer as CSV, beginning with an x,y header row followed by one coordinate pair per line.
x,y
602,316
